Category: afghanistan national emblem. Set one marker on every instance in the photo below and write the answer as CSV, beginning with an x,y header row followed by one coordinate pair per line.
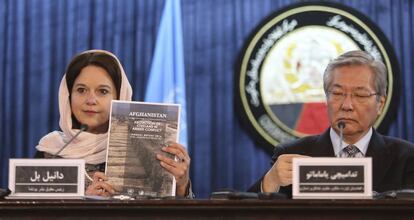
x,y
279,80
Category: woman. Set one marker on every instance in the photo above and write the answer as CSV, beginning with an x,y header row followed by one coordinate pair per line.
x,y
94,78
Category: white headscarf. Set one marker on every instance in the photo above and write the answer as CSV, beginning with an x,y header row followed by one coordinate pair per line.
x,y
88,146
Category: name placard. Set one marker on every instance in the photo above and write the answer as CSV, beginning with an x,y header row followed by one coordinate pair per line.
x,y
47,178
332,178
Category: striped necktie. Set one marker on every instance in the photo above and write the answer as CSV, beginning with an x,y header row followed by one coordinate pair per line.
x,y
351,151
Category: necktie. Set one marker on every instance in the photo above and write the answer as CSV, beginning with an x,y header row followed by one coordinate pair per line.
x,y
351,151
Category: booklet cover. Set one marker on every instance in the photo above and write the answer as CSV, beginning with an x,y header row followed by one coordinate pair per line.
x,y
137,132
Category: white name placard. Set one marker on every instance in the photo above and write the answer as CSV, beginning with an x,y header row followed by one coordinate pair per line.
x,y
47,178
332,178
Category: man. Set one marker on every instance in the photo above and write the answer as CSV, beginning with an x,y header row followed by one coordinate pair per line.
x,y
355,87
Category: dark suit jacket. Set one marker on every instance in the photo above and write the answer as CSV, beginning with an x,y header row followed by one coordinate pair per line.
x,y
392,159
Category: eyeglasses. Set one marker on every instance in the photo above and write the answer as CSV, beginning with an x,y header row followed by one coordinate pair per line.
x,y
359,96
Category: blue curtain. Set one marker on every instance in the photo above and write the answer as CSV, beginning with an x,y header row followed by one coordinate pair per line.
x,y
38,38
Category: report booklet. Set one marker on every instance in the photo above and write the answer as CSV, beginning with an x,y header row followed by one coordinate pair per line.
x,y
137,132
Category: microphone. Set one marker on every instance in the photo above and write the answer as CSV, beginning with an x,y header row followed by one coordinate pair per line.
x,y
341,126
83,127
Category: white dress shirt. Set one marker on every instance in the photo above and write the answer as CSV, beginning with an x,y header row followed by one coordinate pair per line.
x,y
362,144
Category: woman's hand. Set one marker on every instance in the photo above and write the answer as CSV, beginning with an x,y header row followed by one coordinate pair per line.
x,y
99,186
178,168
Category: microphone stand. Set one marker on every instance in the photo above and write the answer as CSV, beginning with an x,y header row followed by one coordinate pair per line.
x,y
341,126
82,128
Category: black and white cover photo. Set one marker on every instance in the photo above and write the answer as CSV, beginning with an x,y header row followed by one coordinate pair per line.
x,y
137,132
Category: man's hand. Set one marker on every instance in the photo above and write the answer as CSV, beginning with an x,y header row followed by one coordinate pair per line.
x,y
280,174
